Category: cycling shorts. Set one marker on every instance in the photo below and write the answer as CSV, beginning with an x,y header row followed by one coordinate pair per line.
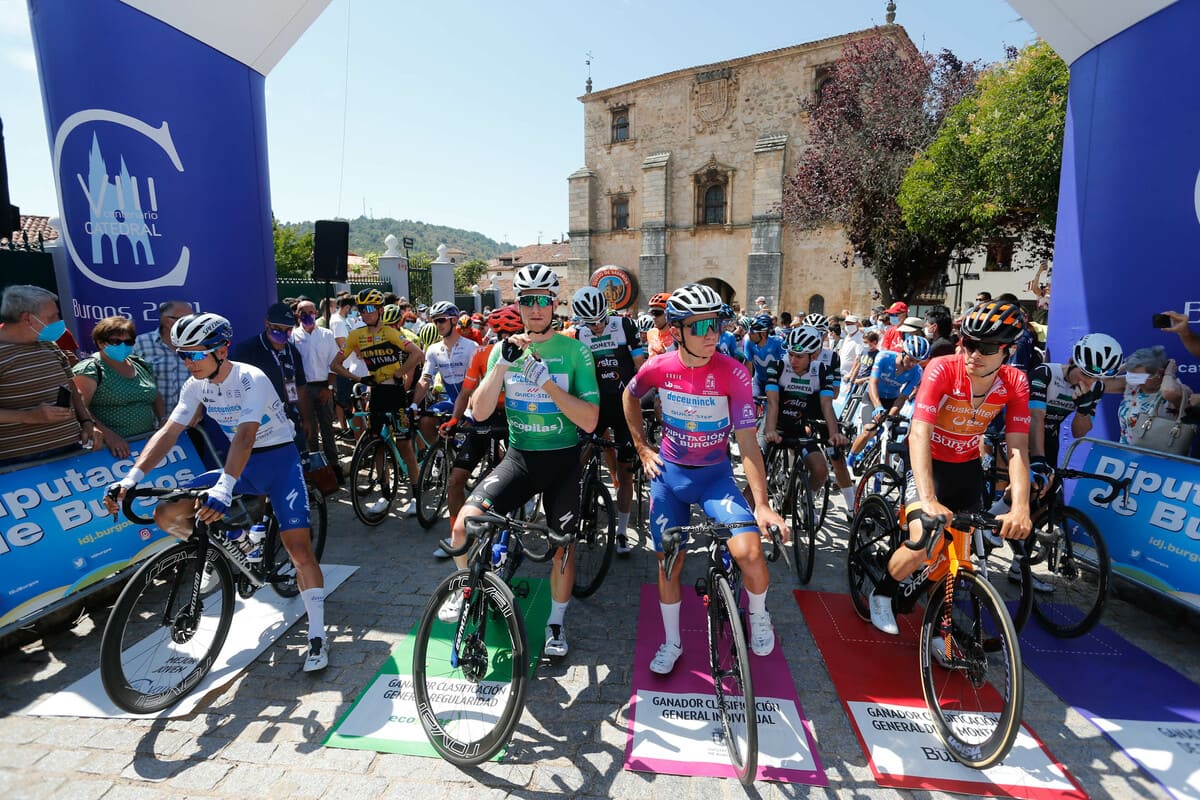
x,y
521,474
275,473
393,398
959,487
612,415
677,488
479,439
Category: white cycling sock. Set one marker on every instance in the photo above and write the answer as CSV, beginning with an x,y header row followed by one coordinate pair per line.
x,y
1000,507
314,604
670,615
557,612
622,522
756,602
848,494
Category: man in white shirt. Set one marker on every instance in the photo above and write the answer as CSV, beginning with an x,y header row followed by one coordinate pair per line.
x,y
850,349
318,347
341,323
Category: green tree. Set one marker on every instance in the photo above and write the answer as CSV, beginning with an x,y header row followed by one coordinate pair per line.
x,y
293,251
468,273
993,169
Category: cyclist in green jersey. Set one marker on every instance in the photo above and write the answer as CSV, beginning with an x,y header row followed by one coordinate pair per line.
x,y
551,392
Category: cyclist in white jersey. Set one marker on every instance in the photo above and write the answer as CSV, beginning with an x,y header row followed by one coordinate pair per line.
x,y
448,358
262,460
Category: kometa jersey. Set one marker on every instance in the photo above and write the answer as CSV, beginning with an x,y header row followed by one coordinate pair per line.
x,y
799,393
944,400
613,350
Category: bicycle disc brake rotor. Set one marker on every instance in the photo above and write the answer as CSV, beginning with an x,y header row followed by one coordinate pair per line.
x,y
183,627
473,660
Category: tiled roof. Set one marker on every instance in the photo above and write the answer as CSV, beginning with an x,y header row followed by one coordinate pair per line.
x,y
33,225
554,253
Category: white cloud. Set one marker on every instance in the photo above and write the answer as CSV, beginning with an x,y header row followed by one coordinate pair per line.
x,y
20,57
14,19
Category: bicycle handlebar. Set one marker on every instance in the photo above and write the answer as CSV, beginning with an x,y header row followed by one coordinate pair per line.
x,y
154,491
482,525
932,527
1115,486
672,540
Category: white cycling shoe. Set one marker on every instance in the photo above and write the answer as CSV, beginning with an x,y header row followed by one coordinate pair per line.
x,y
762,635
664,660
882,616
451,608
556,641
210,580
937,649
317,657
380,506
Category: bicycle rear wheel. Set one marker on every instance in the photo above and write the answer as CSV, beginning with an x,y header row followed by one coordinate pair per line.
x,y
729,661
874,534
826,496
1076,566
155,649
596,541
1008,572
641,500
976,701
469,679
374,480
882,480
804,523
432,484
779,472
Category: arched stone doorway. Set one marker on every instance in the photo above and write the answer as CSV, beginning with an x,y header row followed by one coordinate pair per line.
x,y
728,295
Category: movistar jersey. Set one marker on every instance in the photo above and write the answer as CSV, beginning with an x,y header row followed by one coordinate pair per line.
x,y
535,422
892,384
760,356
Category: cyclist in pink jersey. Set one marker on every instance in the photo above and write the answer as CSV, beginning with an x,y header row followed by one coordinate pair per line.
x,y
704,396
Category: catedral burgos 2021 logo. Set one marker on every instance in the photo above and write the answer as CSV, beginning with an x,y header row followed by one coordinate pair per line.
x,y
111,174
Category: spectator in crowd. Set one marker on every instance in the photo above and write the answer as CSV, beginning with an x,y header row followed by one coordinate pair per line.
x,y
1024,351
939,331
118,387
849,349
341,323
33,369
272,352
1152,387
155,348
318,348
1180,326
893,337
1042,292
983,297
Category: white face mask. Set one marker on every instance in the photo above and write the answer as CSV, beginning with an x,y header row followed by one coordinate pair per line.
x,y
1136,379
929,331
850,329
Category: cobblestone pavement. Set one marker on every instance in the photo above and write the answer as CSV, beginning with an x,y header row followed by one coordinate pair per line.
x,y
262,734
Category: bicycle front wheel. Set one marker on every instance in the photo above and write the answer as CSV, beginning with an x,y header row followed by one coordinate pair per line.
x,y
874,534
596,541
374,479
469,678
432,483
779,471
158,644
804,523
882,480
729,661
1075,568
975,699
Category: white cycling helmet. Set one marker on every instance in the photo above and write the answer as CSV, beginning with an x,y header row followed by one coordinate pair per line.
x,y
693,300
1097,355
644,323
590,305
201,330
443,308
804,340
535,277
818,321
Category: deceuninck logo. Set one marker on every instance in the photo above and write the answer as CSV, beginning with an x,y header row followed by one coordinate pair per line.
x,y
118,183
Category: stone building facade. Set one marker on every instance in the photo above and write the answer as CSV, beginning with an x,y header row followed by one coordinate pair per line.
x,y
684,179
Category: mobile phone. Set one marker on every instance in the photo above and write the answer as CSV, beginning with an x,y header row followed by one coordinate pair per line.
x,y
1161,321
63,400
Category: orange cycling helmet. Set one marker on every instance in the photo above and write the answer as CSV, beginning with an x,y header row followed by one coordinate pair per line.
x,y
660,300
506,319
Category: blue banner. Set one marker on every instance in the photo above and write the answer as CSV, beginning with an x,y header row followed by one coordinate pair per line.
x,y
1154,537
55,536
158,146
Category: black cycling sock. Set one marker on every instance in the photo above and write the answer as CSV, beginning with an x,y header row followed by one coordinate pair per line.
x,y
887,587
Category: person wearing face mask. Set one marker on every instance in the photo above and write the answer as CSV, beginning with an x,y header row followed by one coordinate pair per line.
x,y
32,369
117,387
938,330
1151,388
272,352
318,347
893,336
849,350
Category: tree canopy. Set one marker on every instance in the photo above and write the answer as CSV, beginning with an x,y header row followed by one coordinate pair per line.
x,y
883,103
993,169
293,251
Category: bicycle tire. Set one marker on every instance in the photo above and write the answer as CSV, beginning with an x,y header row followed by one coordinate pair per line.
x,y
881,480
283,577
874,534
1079,569
979,618
468,737
433,481
641,499
367,485
826,496
596,541
804,529
729,661
779,468
138,651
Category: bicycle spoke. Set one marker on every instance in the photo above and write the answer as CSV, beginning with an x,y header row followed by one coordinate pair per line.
x,y
1075,572
729,661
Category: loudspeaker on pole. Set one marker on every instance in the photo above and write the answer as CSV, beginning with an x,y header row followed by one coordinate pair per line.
x,y
331,244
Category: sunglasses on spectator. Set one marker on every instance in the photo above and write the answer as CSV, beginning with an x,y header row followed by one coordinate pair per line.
x,y
194,355
983,348
703,327
535,300
116,340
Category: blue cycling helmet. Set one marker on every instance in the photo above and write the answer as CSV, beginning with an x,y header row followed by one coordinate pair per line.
x,y
761,324
916,347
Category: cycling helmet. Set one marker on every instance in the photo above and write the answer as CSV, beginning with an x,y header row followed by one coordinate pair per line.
x,y
693,300
916,347
818,321
804,340
506,319
994,321
428,335
390,315
535,277
644,323
745,322
442,308
590,305
369,297
1097,355
761,324
422,308
660,300
201,330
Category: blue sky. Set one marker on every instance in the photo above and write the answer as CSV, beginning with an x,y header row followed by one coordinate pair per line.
x,y
465,113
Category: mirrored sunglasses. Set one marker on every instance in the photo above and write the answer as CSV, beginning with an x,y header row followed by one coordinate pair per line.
x,y
535,300
703,327
194,355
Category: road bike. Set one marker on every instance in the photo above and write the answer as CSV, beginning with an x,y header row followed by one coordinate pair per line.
x,y
789,488
597,538
167,627
434,477
728,655
976,690
376,468
470,677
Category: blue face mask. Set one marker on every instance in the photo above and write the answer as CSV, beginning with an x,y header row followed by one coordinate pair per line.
x,y
894,319
118,352
51,332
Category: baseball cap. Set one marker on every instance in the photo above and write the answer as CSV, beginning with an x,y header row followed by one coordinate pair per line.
x,y
898,308
281,314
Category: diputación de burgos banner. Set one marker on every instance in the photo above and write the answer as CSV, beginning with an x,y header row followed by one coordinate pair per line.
x,y
1153,537
55,536
159,156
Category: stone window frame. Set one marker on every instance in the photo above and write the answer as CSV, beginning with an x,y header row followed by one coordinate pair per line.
x,y
620,124
816,304
615,217
822,75
713,176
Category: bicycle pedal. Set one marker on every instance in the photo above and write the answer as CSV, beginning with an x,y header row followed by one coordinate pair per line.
x,y
702,588
521,589
245,588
